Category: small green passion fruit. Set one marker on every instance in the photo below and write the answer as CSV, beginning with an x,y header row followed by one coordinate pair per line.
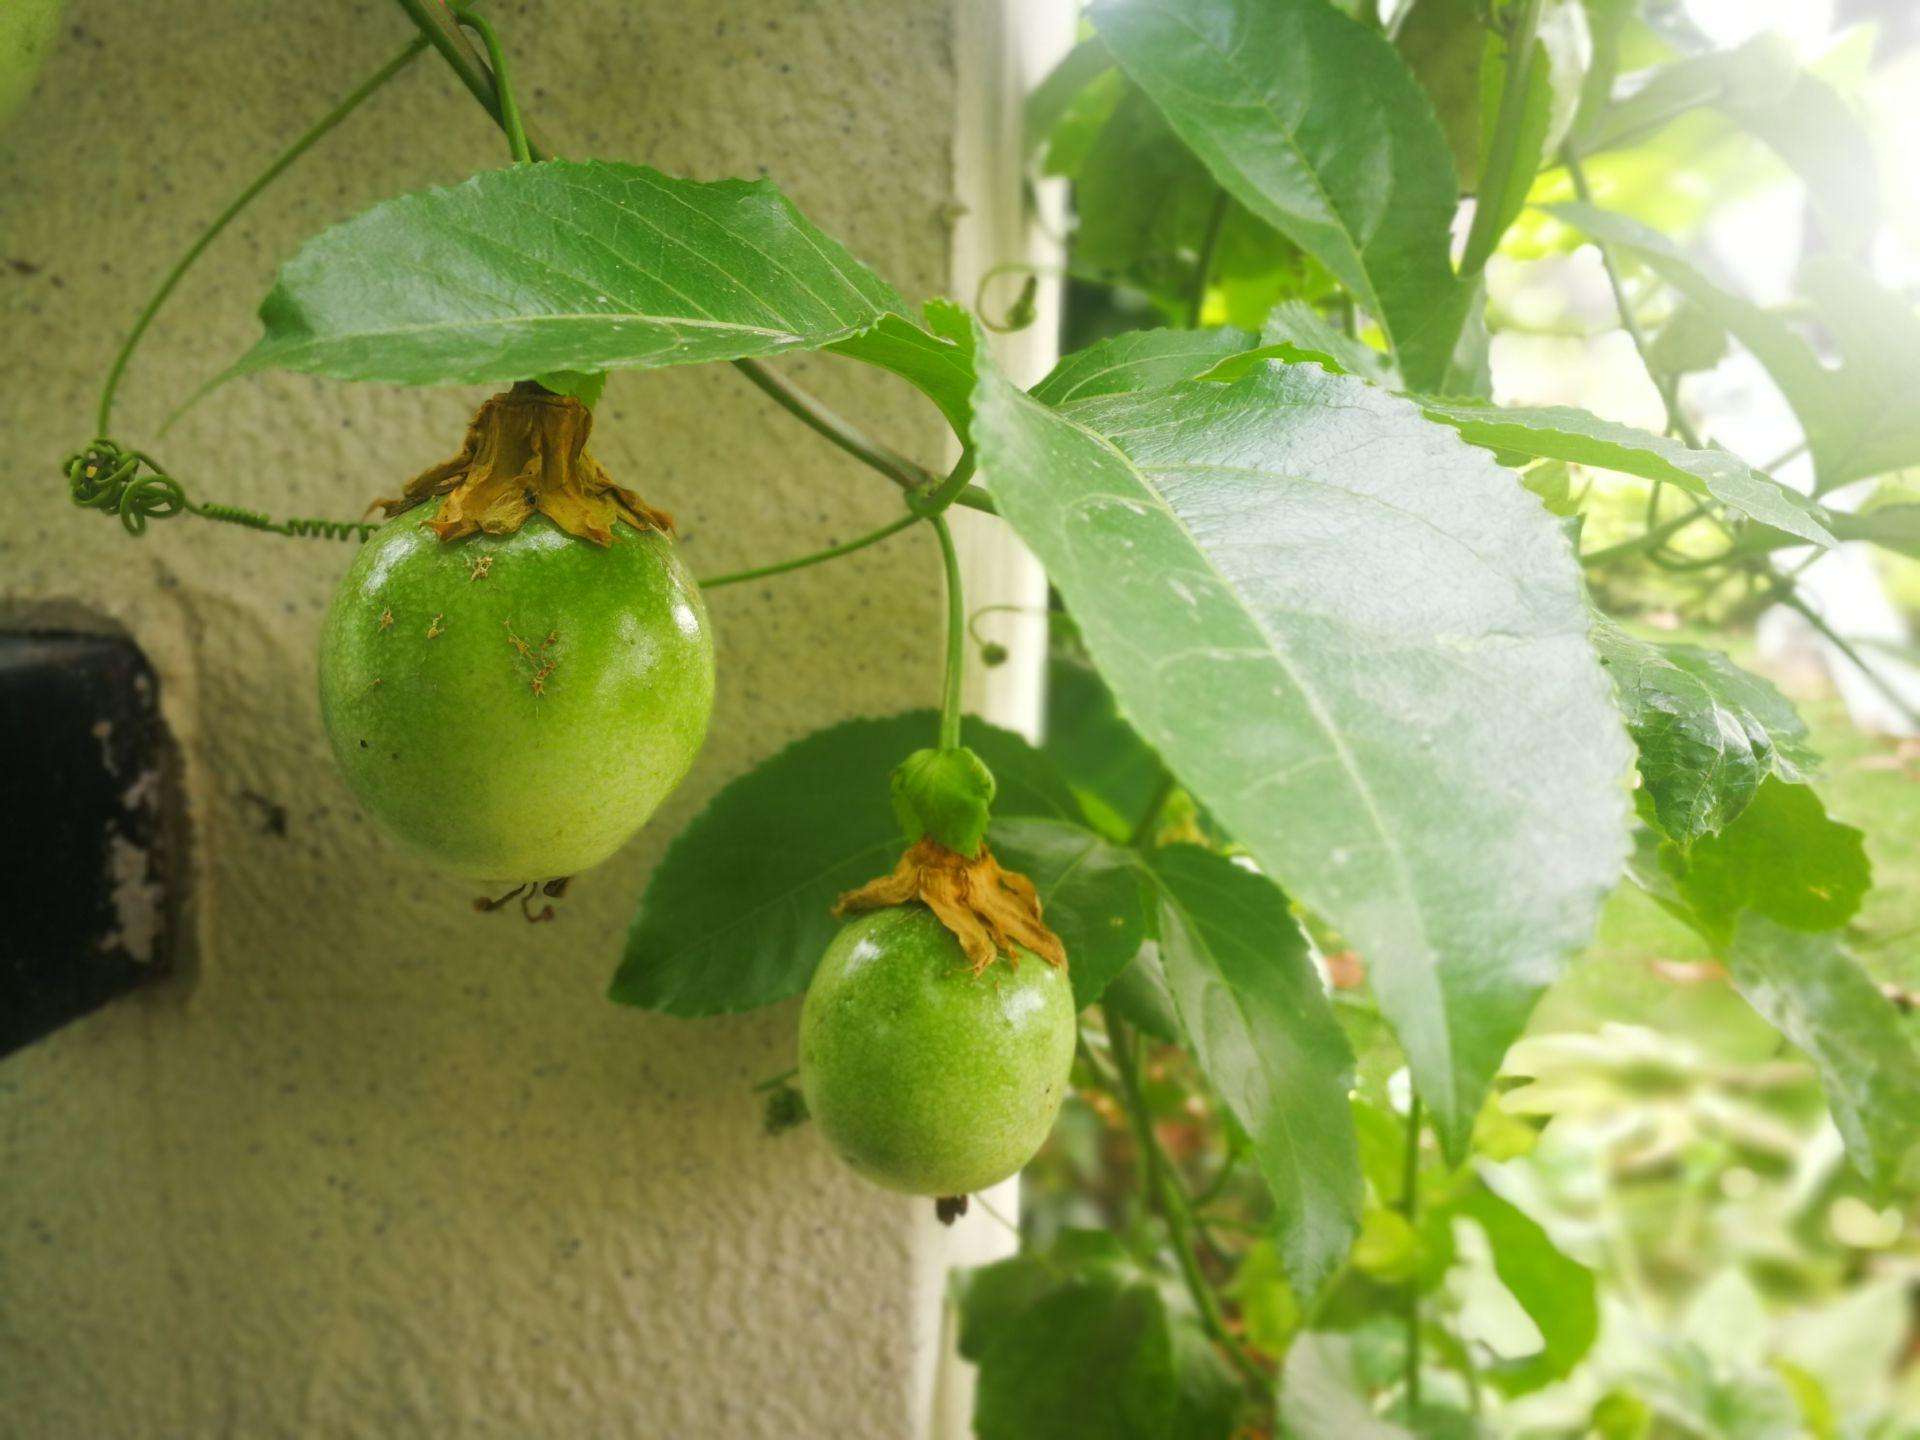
x,y
925,1074
513,701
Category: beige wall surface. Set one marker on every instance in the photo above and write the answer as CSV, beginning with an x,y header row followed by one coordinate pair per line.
x,y
372,1164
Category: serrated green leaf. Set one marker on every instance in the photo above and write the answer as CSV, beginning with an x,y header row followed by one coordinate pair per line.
x,y
1093,895
1816,995
937,359
1266,1038
1363,649
1781,858
1708,732
1082,1344
1314,336
565,265
1560,432
736,914
1557,1293
1263,95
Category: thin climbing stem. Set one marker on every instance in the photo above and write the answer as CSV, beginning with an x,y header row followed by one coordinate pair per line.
x,y
825,422
817,557
956,636
1650,540
1886,687
1668,387
502,83
1203,267
1410,1207
1162,1192
313,134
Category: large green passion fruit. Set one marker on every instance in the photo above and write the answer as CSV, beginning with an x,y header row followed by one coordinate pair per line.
x,y
925,1074
514,705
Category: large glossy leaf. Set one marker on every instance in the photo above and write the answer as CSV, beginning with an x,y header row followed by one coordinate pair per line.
x,y
1859,417
1560,432
1708,732
1080,1343
1093,894
1363,648
1816,995
1263,94
737,912
566,265
1266,1038
1558,1293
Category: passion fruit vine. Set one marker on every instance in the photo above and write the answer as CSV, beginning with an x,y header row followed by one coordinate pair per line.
x,y
517,668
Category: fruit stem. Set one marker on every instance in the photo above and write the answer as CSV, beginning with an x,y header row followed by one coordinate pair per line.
x,y
1163,1193
956,636
817,557
319,128
502,83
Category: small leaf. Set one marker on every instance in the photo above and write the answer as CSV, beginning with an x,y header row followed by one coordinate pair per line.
x,y
563,265
1781,858
1263,95
1445,44
1557,1293
1093,895
1082,1344
1322,1396
1816,995
1267,1040
1363,649
1560,432
1708,732
937,360
944,794
737,913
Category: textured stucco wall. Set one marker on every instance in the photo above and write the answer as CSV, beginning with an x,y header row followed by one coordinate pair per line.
x,y
373,1164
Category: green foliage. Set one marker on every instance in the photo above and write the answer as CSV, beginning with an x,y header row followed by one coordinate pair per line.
x,y
1558,1294
945,794
1093,893
1083,1344
1267,1041
1260,94
1265,553
1708,732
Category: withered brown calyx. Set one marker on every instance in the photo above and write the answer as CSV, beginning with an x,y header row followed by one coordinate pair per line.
x,y
988,909
526,451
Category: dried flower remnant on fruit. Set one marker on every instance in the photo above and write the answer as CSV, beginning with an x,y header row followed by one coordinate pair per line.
x,y
949,1208
386,619
539,662
990,911
526,451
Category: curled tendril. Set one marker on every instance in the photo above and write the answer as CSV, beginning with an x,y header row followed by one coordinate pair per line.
x,y
107,476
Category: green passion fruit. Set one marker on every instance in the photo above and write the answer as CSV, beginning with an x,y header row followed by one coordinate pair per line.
x,y
923,1075
515,706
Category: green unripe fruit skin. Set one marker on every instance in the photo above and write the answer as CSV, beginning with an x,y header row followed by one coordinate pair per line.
x,y
514,707
922,1076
